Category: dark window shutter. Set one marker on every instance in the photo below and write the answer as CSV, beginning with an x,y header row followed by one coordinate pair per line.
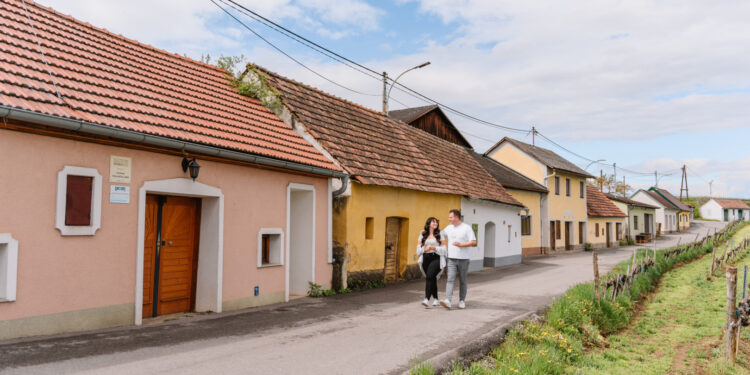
x,y
78,200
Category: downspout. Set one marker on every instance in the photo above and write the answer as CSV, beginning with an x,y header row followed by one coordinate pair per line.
x,y
344,186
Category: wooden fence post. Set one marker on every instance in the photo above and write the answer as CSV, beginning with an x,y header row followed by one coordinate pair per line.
x,y
731,342
596,276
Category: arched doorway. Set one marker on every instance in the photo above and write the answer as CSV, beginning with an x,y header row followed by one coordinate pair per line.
x,y
489,244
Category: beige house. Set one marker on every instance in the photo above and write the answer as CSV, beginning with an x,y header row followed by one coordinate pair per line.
x,y
563,208
606,221
640,223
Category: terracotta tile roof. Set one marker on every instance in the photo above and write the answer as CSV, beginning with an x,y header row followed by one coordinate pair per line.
x,y
732,203
628,201
598,205
378,150
671,199
110,80
506,176
544,156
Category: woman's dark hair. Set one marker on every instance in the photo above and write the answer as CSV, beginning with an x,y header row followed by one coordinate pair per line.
x,y
426,231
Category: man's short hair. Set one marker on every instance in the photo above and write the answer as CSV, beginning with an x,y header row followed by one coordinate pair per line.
x,y
455,212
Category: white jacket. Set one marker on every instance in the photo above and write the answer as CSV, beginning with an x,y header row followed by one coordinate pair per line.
x,y
440,250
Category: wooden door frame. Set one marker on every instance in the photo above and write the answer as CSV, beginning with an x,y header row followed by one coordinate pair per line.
x,y
608,234
568,232
552,235
208,296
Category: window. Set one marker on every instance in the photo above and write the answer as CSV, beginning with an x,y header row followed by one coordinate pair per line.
x,y
557,185
79,201
8,267
525,225
475,228
270,247
581,188
369,228
567,187
618,229
509,233
635,222
596,229
557,230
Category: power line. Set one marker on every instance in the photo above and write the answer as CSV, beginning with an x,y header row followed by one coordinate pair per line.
x,y
284,53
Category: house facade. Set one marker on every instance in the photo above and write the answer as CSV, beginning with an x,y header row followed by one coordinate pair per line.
x,y
666,215
684,212
606,221
142,184
400,176
725,210
640,223
565,224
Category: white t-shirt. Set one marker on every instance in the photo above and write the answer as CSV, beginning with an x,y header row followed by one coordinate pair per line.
x,y
461,233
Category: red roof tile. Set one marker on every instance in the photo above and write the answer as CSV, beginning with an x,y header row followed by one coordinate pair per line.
x,y
599,205
110,80
378,150
671,199
732,203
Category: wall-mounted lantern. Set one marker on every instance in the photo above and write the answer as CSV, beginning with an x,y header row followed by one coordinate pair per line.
x,y
192,165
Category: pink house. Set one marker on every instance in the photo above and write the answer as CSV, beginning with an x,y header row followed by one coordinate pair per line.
x,y
138,183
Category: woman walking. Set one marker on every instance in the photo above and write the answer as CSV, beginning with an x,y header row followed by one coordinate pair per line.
x,y
431,251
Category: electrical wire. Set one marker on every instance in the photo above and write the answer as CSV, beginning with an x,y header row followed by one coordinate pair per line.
x,y
284,53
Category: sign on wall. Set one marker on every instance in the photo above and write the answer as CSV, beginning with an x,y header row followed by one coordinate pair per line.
x,y
119,194
119,169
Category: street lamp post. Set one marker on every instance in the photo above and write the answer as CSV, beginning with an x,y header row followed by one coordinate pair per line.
x,y
595,161
387,93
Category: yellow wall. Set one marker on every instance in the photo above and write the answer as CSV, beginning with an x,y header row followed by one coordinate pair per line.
x,y
564,208
683,218
380,202
602,239
520,162
532,200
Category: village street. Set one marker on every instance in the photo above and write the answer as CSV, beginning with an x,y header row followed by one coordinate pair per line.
x,y
371,332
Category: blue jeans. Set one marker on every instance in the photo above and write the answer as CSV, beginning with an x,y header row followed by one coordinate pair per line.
x,y
460,266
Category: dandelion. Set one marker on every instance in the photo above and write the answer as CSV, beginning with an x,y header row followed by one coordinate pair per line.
x,y
569,350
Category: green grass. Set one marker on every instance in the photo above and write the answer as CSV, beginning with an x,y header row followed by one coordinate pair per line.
x,y
570,338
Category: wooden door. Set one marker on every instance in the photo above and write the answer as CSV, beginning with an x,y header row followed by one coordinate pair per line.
x,y
609,239
170,254
568,245
581,229
552,235
392,234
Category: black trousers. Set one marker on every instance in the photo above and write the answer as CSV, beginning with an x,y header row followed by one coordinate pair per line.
x,y
431,268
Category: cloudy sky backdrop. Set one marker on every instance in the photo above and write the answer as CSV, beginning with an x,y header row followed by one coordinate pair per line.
x,y
644,84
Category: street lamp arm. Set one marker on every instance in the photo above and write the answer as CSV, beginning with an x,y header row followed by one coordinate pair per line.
x,y
399,76
595,161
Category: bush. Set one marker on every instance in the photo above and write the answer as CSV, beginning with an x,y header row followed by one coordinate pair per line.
x,y
318,291
588,246
623,243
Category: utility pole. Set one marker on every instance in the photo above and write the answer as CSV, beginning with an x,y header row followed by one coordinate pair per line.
x,y
614,176
533,136
601,180
710,194
624,191
656,179
684,180
385,84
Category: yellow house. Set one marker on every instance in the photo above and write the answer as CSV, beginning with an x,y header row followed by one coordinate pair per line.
x,y
563,209
399,176
530,193
606,222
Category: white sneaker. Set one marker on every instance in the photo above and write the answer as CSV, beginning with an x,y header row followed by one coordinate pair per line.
x,y
426,302
461,305
436,303
445,303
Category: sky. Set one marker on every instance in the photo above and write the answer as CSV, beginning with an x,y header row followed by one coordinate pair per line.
x,y
648,85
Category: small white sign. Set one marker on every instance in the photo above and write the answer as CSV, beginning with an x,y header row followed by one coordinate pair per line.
x,y
119,169
119,194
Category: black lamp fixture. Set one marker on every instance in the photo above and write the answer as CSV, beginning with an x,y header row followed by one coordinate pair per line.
x,y
192,165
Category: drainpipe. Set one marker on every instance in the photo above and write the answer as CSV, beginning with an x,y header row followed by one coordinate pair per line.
x,y
344,185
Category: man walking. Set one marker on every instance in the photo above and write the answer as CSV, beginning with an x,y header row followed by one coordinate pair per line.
x,y
460,237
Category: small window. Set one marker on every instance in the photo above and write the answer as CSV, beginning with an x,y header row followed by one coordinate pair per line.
x,y
581,188
475,228
635,222
369,228
558,234
567,187
509,233
596,229
8,267
557,185
525,225
79,201
270,247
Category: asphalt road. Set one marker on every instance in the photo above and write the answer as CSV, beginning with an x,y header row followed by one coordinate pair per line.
x,y
370,332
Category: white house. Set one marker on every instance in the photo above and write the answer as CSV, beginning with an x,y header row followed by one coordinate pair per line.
x,y
725,210
498,229
666,214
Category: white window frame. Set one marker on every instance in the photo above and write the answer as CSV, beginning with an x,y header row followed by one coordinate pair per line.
x,y
281,243
96,201
9,263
